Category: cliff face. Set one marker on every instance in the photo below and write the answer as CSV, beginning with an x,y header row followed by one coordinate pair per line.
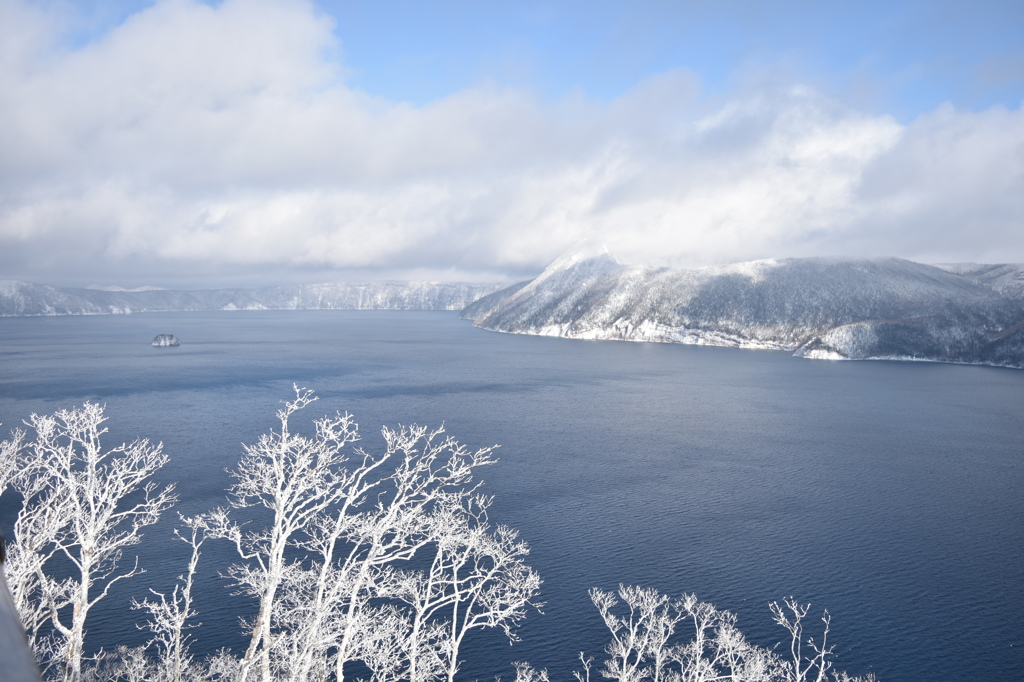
x,y
23,298
814,307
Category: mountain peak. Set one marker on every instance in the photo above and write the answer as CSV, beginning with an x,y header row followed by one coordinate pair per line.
x,y
580,254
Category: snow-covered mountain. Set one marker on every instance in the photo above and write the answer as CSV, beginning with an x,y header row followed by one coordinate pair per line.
x,y
815,307
23,298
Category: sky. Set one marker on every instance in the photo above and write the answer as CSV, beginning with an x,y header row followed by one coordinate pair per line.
x,y
190,144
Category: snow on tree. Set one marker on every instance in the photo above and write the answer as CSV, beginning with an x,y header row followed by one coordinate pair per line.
x,y
76,507
649,645
355,560
330,572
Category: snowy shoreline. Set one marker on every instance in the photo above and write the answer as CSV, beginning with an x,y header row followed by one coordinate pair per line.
x,y
698,338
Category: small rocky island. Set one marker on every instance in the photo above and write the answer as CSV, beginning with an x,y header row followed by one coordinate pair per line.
x,y
166,340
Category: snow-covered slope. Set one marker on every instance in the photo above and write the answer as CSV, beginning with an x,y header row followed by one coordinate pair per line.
x,y
815,307
23,298
1006,278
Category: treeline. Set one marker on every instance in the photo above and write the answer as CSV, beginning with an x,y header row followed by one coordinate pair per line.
x,y
377,563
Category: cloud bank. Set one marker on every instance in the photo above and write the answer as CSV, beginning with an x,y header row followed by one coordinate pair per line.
x,y
196,145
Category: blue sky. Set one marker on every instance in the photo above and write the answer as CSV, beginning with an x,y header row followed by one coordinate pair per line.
x,y
902,58
481,139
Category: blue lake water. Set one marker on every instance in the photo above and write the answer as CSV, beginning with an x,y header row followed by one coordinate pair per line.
x,y
891,494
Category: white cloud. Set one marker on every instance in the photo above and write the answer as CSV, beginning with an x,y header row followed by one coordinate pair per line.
x,y
202,141
954,184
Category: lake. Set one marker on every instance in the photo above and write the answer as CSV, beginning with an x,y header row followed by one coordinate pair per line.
x,y
891,494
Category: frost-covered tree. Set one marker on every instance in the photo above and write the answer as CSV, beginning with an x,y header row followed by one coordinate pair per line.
x,y
477,578
169,619
356,560
9,459
329,572
76,509
297,479
659,639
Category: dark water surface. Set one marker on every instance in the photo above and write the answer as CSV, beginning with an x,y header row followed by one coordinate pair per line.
x,y
890,493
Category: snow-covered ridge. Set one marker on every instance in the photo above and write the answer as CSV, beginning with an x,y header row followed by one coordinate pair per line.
x,y
27,299
1007,278
821,308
